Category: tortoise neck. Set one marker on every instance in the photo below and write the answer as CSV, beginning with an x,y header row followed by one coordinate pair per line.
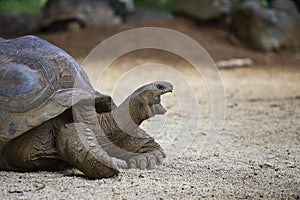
x,y
128,115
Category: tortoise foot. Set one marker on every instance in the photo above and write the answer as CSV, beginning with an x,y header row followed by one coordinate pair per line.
x,y
146,160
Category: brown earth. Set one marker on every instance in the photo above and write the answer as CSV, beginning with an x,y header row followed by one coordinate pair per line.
x,y
255,155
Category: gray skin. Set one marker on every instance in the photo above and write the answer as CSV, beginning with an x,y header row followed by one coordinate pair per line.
x,y
86,140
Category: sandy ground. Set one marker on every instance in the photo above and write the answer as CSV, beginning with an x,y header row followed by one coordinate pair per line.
x,y
255,155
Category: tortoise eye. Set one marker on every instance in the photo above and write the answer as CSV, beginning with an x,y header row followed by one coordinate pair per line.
x,y
160,87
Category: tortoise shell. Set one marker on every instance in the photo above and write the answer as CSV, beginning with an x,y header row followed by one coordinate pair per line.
x,y
39,81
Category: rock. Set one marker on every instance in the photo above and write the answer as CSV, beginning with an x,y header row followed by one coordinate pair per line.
x,y
267,28
298,4
17,24
123,7
234,62
141,14
203,9
60,13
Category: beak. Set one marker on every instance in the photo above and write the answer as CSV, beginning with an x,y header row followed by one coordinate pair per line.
x,y
169,89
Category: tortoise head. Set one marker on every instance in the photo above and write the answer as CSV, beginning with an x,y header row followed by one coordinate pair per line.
x,y
145,102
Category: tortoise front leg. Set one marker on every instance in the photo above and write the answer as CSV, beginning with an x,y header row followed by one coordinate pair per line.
x,y
77,145
140,150
137,148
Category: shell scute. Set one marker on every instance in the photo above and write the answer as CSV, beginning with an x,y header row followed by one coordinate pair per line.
x,y
39,81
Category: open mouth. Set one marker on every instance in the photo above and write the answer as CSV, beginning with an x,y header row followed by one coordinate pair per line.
x,y
157,100
157,108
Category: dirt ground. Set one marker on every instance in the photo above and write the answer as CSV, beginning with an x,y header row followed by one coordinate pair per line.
x,y
255,155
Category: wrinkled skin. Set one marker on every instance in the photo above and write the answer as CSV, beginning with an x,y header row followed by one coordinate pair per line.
x,y
84,139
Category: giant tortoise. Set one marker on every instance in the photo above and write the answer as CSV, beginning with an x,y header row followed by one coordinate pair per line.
x,y
52,117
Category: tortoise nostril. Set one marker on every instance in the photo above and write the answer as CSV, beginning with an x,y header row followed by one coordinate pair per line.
x,y
160,87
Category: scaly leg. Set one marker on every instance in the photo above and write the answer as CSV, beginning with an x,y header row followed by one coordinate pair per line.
x,y
77,145
33,150
137,148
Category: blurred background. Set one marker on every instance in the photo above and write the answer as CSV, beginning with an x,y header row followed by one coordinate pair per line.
x,y
264,25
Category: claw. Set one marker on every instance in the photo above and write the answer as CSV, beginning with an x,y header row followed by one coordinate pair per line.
x,y
152,162
143,164
160,157
132,163
149,160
